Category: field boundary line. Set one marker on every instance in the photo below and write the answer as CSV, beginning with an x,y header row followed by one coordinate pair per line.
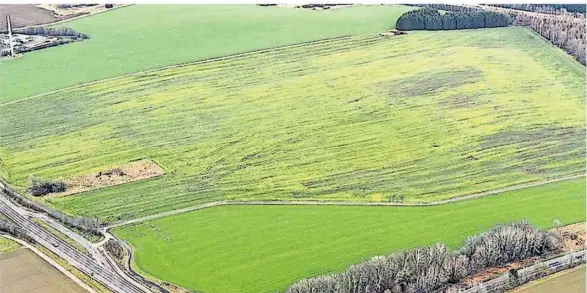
x,y
340,203
52,263
184,64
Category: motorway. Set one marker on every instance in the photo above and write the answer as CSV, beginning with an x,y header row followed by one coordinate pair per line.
x,y
107,276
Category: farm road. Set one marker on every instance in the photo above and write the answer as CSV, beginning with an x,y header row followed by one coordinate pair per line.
x,y
342,203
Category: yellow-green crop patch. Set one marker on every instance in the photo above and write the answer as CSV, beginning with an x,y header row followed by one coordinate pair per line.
x,y
127,40
425,116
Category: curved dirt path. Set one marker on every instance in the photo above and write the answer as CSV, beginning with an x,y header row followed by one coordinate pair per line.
x,y
341,203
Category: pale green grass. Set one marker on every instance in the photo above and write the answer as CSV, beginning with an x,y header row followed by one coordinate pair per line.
x,y
141,37
255,249
7,245
427,116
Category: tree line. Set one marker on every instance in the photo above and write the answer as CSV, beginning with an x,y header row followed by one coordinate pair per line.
x,y
448,7
91,226
564,31
431,19
545,8
436,267
16,231
54,32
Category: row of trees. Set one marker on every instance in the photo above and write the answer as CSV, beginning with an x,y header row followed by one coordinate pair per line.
x,y
56,32
449,7
545,8
434,267
10,228
91,226
564,31
430,19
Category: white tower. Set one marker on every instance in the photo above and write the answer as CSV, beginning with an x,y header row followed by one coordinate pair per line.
x,y
10,35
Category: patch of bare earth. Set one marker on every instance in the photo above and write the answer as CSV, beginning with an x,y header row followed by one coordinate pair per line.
x,y
25,15
133,171
573,236
573,239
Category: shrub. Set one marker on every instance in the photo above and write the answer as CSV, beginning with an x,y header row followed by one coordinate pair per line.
x,y
41,187
115,249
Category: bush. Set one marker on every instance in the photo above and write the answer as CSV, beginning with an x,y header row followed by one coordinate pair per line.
x,y
40,187
115,249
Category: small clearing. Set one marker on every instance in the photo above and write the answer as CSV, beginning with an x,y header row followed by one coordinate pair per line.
x,y
130,172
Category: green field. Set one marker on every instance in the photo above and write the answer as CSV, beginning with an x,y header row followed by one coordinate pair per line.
x,y
7,245
128,40
427,116
264,248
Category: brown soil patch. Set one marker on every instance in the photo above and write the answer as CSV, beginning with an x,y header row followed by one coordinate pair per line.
x,y
24,271
132,171
25,15
573,236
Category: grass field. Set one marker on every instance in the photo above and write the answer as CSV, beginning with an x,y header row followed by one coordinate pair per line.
x,y
127,40
24,271
361,118
264,248
7,245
